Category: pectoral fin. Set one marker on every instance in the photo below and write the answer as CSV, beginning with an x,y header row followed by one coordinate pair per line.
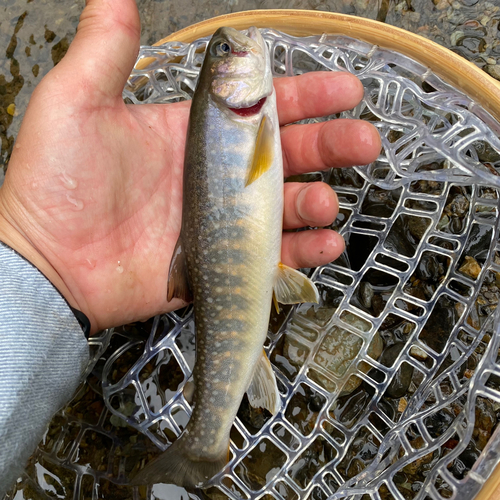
x,y
178,283
293,287
263,390
263,154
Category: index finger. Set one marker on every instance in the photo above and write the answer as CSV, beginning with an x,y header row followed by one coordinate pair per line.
x,y
315,94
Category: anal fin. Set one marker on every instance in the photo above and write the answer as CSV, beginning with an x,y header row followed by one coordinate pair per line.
x,y
178,283
263,390
293,287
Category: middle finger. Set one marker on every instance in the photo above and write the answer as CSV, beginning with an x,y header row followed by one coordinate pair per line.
x,y
334,143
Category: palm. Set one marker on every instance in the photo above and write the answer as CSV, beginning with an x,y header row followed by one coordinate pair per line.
x,y
112,185
94,187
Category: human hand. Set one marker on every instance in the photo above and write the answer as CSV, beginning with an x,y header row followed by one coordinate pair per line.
x,y
93,192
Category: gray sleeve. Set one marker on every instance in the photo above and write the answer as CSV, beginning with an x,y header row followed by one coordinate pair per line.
x,y
43,354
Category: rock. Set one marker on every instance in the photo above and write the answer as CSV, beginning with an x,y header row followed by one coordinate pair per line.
x,y
485,422
456,37
418,353
402,405
417,466
493,70
340,348
402,378
470,267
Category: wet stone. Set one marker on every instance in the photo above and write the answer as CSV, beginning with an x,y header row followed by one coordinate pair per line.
x,y
286,491
285,437
303,409
417,466
54,480
349,409
395,329
94,450
361,452
402,378
289,356
260,465
438,422
470,267
319,453
486,420
321,380
465,461
405,234
380,202
339,349
440,323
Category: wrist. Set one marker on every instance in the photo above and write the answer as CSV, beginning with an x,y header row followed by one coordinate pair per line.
x,y
13,236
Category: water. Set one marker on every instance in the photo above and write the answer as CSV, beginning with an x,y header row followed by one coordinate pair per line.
x,y
36,35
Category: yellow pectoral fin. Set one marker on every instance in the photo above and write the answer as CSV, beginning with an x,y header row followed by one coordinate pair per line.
x,y
293,287
178,283
263,390
263,154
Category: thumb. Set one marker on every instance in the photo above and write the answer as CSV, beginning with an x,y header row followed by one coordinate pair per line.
x,y
105,48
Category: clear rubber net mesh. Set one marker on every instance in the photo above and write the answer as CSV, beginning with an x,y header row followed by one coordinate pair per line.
x,y
390,386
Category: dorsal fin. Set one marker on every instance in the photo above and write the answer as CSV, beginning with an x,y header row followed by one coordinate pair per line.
x,y
178,282
263,154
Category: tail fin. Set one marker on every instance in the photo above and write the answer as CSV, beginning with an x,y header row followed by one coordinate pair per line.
x,y
176,466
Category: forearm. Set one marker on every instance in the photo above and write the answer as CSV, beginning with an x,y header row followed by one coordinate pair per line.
x,y
43,353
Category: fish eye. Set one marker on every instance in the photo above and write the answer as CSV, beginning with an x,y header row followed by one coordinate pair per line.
x,y
223,48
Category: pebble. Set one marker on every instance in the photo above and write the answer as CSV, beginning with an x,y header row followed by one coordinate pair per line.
x,y
11,109
456,36
418,353
402,405
470,267
493,70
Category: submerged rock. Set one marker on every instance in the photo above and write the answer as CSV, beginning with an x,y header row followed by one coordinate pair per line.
x,y
340,348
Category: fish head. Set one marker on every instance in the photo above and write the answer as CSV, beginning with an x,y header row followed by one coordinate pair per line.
x,y
238,68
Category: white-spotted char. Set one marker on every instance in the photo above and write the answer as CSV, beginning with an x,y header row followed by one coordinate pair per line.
x,y
227,258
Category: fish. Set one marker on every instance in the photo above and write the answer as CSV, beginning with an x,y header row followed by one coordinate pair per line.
x,y
227,257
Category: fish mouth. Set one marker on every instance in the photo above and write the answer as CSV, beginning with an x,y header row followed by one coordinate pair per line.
x,y
251,110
